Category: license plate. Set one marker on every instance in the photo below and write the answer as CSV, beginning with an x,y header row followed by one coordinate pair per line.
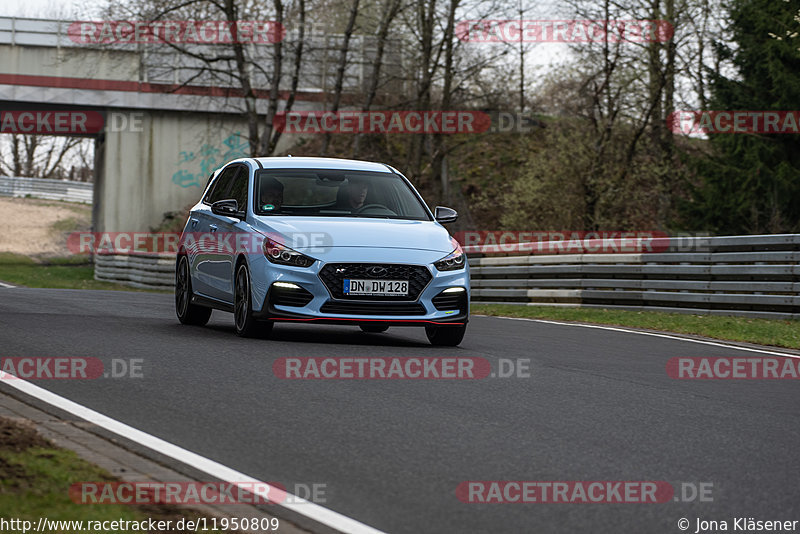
x,y
376,287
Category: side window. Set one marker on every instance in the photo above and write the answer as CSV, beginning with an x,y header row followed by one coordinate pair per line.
x,y
210,176
239,188
219,190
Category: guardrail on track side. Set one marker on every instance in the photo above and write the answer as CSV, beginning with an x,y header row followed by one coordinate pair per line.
x,y
756,276
47,189
151,271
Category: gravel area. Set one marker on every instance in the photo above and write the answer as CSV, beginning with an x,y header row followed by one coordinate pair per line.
x,y
39,228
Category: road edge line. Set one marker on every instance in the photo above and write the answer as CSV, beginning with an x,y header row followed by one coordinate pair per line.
x,y
298,505
645,333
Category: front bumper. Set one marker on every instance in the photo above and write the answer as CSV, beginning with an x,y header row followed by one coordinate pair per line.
x,y
274,314
315,303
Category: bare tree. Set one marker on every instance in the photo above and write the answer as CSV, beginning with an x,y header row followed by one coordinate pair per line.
x,y
240,66
391,8
439,160
39,156
342,65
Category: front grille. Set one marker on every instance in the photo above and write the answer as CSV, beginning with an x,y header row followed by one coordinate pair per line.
x,y
284,296
418,277
450,301
369,308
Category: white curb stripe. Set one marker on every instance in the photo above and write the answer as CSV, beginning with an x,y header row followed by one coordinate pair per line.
x,y
654,334
300,506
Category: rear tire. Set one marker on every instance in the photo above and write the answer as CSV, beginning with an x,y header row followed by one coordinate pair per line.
x,y
445,336
246,325
187,312
373,328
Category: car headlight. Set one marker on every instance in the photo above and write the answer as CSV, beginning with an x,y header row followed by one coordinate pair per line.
x,y
453,261
283,255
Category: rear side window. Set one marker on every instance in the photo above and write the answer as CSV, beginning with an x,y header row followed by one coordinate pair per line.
x,y
219,189
238,190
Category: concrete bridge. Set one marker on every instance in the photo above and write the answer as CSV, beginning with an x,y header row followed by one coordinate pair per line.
x,y
164,124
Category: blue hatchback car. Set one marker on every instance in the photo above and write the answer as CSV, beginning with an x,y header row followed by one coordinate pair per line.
x,y
321,240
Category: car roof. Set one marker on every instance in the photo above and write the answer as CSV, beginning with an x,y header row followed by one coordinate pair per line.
x,y
289,162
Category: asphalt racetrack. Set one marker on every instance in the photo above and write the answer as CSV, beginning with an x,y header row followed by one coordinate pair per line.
x,y
598,406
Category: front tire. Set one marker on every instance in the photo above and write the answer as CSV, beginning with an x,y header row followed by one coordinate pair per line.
x,y
187,312
246,325
445,336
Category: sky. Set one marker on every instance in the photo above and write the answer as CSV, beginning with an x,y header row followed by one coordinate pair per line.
x,y
43,8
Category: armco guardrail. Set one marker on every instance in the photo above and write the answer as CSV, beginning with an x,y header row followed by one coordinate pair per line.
x,y
757,276
152,271
47,189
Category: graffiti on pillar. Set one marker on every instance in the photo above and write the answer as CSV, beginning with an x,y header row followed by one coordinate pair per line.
x,y
194,168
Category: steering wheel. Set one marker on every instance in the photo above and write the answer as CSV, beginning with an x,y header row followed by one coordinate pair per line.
x,y
379,207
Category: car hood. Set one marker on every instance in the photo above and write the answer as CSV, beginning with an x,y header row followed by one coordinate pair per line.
x,y
302,233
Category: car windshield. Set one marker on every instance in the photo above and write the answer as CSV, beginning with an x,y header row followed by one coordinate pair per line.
x,y
336,193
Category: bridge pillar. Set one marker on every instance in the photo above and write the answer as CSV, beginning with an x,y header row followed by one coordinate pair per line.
x,y
157,162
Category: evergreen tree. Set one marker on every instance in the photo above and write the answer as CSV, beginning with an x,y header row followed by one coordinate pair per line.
x,y
751,182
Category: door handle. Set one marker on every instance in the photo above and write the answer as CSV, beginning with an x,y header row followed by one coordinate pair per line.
x,y
213,227
194,221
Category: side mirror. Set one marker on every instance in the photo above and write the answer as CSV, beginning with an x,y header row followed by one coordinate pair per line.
x,y
227,208
445,215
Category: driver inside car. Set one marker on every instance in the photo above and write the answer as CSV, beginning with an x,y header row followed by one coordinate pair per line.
x,y
353,195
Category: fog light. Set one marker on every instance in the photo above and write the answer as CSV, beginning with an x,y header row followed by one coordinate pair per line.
x,y
286,285
454,290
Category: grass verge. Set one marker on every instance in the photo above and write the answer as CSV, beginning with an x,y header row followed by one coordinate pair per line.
x,y
61,273
36,477
775,332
